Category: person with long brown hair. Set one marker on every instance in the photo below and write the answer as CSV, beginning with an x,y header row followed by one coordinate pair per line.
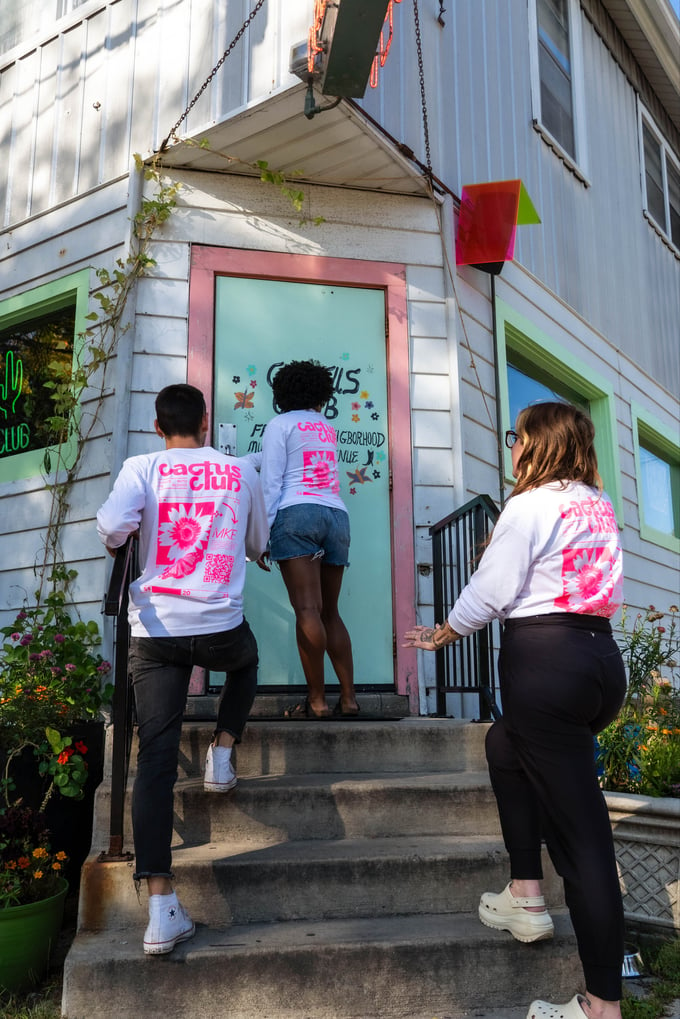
x,y
552,574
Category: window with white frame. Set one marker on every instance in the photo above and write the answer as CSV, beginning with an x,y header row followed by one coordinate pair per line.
x,y
533,368
557,76
20,19
657,468
660,179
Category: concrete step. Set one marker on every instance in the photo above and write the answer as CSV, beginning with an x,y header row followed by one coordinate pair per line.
x,y
273,705
314,747
318,806
393,967
317,880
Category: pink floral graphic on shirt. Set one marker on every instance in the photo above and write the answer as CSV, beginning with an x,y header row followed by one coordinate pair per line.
x,y
182,534
320,470
590,584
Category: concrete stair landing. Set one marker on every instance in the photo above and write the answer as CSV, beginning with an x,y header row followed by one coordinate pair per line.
x,y
339,880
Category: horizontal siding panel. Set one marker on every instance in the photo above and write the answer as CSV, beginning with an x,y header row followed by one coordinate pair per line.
x,y
427,319
429,354
432,467
432,428
431,392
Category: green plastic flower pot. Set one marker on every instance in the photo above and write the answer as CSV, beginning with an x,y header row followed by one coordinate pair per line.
x,y
27,936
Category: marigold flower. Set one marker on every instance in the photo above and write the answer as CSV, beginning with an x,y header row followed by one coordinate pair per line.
x,y
11,865
23,862
56,866
38,874
61,855
40,853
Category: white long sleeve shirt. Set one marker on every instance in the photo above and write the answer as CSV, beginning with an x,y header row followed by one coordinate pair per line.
x,y
199,514
554,549
299,462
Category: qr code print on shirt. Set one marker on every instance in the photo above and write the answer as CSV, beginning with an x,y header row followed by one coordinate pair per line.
x,y
218,569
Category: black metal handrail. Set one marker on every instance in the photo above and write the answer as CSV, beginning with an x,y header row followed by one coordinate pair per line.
x,y
469,665
116,605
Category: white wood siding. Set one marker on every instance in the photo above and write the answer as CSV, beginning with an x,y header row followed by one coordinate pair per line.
x,y
594,275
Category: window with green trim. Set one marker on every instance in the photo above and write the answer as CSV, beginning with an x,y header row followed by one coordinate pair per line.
x,y
657,463
532,368
39,335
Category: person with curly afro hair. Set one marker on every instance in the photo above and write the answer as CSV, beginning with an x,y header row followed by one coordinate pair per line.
x,y
309,523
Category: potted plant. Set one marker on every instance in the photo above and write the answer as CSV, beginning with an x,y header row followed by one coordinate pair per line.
x,y
639,752
638,755
32,893
51,760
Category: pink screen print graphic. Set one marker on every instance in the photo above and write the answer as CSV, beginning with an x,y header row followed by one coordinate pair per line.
x,y
589,583
320,471
182,535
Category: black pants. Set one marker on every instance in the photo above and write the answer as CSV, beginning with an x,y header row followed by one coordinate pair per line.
x,y
562,680
161,669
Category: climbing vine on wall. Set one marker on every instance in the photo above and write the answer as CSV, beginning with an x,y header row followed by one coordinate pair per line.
x,y
78,391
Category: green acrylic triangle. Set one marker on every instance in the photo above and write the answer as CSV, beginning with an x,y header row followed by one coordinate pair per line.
x,y
526,213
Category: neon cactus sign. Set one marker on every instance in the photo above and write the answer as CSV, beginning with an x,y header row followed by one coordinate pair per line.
x,y
14,438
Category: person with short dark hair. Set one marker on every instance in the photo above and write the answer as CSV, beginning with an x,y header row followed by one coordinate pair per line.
x,y
309,529
198,514
552,573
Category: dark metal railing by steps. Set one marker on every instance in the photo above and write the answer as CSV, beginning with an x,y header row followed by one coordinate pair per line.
x,y
469,665
116,605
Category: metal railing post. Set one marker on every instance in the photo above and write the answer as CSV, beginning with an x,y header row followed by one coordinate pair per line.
x,y
116,604
467,666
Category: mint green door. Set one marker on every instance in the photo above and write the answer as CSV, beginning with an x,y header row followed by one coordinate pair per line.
x,y
259,325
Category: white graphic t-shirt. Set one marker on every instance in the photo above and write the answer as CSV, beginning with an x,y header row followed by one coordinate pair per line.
x,y
554,549
299,462
199,514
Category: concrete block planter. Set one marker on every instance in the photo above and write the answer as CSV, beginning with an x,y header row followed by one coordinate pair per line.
x,y
647,843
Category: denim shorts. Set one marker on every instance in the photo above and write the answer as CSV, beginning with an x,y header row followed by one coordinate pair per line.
x,y
304,529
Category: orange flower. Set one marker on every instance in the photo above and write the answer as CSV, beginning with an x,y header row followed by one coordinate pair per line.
x,y
40,853
61,855
38,874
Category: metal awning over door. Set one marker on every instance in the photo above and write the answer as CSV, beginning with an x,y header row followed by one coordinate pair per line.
x,y
340,147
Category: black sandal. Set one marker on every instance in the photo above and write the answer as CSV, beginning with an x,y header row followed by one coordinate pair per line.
x,y
339,713
304,710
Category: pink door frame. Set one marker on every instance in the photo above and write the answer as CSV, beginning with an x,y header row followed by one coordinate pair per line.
x,y
209,262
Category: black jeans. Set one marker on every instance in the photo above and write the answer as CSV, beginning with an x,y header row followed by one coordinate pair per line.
x,y
161,669
562,680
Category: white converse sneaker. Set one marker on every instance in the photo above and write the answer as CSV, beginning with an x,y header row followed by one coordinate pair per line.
x,y
506,913
169,923
220,776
